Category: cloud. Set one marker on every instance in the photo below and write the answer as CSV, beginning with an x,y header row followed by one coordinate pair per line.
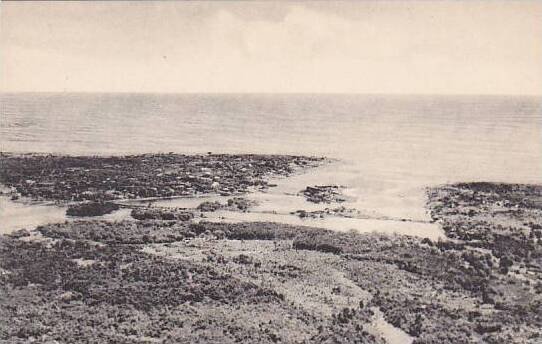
x,y
366,47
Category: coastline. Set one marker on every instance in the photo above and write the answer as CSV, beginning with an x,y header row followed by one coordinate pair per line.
x,y
275,190
136,281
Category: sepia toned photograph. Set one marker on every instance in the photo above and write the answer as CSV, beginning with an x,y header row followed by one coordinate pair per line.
x,y
265,172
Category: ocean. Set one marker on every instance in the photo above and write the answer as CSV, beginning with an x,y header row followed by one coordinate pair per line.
x,y
388,147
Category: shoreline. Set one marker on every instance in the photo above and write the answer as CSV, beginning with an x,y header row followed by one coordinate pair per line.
x,y
275,190
169,278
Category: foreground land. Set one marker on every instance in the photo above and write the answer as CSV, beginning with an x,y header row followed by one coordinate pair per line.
x,y
162,280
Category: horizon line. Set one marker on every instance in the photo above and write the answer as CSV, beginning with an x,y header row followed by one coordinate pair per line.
x,y
276,93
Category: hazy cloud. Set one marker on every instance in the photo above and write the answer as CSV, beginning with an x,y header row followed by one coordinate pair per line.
x,y
367,47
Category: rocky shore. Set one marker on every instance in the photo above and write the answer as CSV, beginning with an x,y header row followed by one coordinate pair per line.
x,y
323,194
167,277
78,178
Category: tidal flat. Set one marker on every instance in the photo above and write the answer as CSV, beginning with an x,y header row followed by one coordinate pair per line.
x,y
177,278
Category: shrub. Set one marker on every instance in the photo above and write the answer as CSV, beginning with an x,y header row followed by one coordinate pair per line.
x,y
91,209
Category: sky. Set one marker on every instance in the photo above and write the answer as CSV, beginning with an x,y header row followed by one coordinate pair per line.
x,y
405,47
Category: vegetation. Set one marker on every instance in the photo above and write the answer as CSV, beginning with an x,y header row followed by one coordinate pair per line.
x,y
88,209
76,178
233,204
166,214
166,278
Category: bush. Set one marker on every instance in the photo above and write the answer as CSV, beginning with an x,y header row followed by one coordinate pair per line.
x,y
161,214
91,209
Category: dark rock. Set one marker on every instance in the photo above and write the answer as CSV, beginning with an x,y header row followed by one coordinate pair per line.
x,y
323,194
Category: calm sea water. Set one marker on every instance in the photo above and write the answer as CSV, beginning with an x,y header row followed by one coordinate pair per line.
x,y
388,145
